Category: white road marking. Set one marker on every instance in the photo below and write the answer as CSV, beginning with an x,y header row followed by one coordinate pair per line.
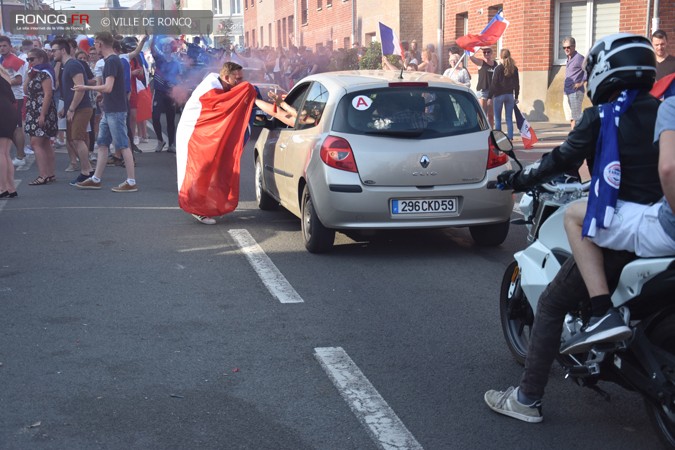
x,y
383,425
271,277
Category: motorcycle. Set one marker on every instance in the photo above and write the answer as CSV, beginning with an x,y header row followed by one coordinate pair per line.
x,y
646,361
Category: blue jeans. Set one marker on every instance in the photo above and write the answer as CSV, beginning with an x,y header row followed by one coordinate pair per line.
x,y
507,101
113,130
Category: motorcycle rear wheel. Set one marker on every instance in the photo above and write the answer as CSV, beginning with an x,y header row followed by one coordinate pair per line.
x,y
515,313
662,417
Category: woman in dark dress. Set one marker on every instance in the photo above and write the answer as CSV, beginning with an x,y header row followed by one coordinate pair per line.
x,y
7,127
41,119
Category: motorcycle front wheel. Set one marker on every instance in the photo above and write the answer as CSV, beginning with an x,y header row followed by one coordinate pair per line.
x,y
661,416
516,313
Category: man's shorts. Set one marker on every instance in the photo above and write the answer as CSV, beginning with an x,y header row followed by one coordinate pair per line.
x,y
113,130
636,228
76,130
483,94
572,105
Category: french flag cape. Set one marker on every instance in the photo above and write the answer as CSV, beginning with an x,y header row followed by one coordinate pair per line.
x,y
526,131
209,144
489,36
390,43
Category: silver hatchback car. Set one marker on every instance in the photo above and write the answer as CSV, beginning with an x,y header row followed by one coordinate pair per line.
x,y
382,150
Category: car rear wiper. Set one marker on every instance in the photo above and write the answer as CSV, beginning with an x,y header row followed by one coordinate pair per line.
x,y
396,133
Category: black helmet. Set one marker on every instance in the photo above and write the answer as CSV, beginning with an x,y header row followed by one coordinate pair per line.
x,y
617,62
129,44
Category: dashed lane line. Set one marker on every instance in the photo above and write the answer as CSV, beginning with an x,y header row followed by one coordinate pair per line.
x,y
271,277
383,425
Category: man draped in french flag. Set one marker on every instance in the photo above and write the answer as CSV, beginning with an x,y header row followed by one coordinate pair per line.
x,y
210,139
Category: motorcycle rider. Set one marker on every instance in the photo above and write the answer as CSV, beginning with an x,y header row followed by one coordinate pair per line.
x,y
615,63
646,230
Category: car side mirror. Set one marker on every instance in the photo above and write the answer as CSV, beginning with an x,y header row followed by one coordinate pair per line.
x,y
502,141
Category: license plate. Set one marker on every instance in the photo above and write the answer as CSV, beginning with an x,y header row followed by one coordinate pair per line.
x,y
424,206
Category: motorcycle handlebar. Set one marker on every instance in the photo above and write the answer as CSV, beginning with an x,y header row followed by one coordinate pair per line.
x,y
566,187
550,187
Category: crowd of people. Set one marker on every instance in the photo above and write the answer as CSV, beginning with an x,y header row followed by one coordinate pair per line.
x,y
53,113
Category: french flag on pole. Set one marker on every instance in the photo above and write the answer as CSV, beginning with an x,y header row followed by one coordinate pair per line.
x,y
489,36
390,43
526,131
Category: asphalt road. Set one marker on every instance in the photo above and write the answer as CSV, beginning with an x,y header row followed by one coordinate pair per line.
x,y
126,324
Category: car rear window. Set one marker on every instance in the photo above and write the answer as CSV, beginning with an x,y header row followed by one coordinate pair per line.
x,y
415,112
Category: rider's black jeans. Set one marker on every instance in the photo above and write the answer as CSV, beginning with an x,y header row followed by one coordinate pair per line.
x,y
567,292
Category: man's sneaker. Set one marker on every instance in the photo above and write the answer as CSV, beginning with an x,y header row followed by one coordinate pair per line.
x,y
160,146
171,149
205,220
89,183
28,150
59,143
607,328
80,178
125,187
92,157
71,168
506,402
135,149
18,162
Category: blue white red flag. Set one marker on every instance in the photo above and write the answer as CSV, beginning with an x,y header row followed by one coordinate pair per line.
x,y
489,36
526,131
390,43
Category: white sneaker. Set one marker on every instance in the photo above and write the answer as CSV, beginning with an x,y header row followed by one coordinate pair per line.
x,y
136,140
28,150
18,162
205,220
59,144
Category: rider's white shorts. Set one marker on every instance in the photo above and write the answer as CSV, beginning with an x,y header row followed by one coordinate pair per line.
x,y
636,228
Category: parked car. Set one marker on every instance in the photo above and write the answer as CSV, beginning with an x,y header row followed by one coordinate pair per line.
x,y
377,150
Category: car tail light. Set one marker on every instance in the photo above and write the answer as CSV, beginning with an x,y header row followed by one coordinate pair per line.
x,y
337,153
495,157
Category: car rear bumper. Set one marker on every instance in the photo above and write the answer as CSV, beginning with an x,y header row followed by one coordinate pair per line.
x,y
370,208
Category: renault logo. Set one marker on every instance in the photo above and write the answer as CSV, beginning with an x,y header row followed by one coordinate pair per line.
x,y
425,161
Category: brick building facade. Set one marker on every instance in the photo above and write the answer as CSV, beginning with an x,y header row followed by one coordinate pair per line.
x,y
534,35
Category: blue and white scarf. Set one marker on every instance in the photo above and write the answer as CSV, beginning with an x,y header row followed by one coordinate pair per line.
x,y
606,177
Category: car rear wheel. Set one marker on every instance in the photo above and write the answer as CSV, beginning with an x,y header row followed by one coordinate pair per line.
x,y
263,199
318,238
490,235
